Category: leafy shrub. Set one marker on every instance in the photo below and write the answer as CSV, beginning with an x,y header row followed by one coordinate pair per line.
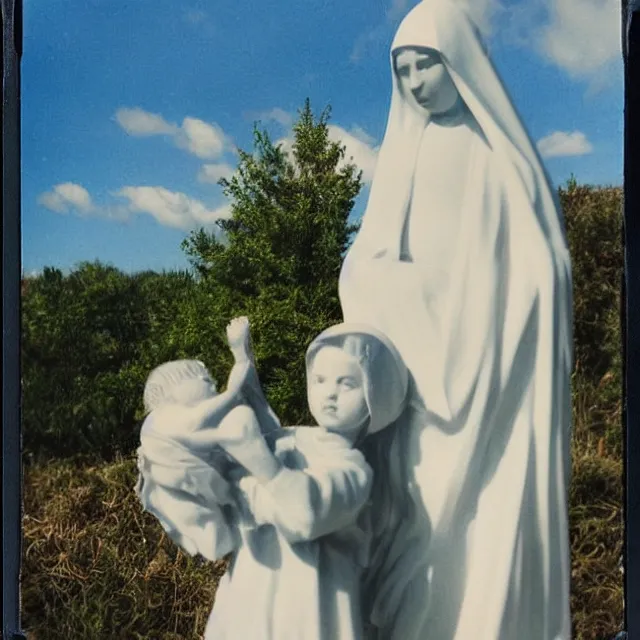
x,y
594,228
89,339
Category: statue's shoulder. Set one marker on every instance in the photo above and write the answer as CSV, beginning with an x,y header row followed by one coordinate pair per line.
x,y
507,170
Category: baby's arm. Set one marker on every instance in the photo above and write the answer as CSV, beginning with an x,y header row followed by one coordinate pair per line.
x,y
235,427
211,411
245,374
240,436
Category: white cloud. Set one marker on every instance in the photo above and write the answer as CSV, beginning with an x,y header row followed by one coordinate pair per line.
x,y
169,208
65,197
172,209
137,122
368,40
195,16
562,143
398,8
363,136
33,273
278,115
359,149
200,22
214,172
202,139
484,14
286,144
582,36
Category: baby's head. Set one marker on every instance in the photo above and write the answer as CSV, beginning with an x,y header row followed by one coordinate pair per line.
x,y
182,382
356,380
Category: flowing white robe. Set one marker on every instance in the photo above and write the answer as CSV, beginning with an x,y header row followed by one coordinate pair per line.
x,y
489,350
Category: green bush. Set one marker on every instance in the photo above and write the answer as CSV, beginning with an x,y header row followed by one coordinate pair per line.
x,y
594,229
281,256
79,350
89,339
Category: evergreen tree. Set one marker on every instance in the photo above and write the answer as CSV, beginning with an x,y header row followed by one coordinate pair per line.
x,y
277,259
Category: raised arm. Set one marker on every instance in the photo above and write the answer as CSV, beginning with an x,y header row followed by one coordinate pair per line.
x,y
243,388
244,375
302,504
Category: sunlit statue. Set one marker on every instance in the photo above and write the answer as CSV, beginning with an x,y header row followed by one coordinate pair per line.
x,y
295,506
461,260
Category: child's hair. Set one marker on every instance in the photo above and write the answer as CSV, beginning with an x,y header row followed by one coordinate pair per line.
x,y
386,385
352,344
167,375
395,514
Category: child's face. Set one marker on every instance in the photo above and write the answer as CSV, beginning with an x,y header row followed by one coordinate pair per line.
x,y
193,390
336,392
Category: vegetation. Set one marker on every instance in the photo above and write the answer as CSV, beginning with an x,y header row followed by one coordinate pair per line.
x,y
594,227
94,565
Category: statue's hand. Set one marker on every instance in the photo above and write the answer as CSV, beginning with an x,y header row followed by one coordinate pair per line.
x,y
238,338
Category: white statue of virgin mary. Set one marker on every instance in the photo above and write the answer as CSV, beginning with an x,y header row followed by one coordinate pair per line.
x,y
462,261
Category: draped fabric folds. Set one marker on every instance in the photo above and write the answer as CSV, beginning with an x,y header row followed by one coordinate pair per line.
x,y
489,426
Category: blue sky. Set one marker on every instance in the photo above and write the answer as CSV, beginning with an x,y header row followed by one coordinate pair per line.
x,y
132,110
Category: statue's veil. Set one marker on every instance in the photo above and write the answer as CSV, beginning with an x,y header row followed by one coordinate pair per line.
x,y
444,25
529,295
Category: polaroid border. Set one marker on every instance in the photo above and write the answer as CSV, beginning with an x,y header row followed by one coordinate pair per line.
x,y
11,263
11,277
631,316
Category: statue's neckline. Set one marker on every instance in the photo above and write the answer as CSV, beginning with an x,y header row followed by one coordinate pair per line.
x,y
455,116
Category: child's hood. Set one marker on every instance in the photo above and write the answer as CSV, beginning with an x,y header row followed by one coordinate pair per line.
x,y
385,374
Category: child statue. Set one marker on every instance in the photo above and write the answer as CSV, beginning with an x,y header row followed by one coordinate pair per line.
x,y
295,506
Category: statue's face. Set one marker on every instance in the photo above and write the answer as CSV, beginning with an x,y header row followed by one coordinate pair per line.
x,y
336,392
424,79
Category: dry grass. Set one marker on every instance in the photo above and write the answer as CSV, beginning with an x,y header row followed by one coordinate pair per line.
x,y
596,546
96,566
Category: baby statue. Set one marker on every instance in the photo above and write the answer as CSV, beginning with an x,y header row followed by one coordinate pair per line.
x,y
180,399
293,507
